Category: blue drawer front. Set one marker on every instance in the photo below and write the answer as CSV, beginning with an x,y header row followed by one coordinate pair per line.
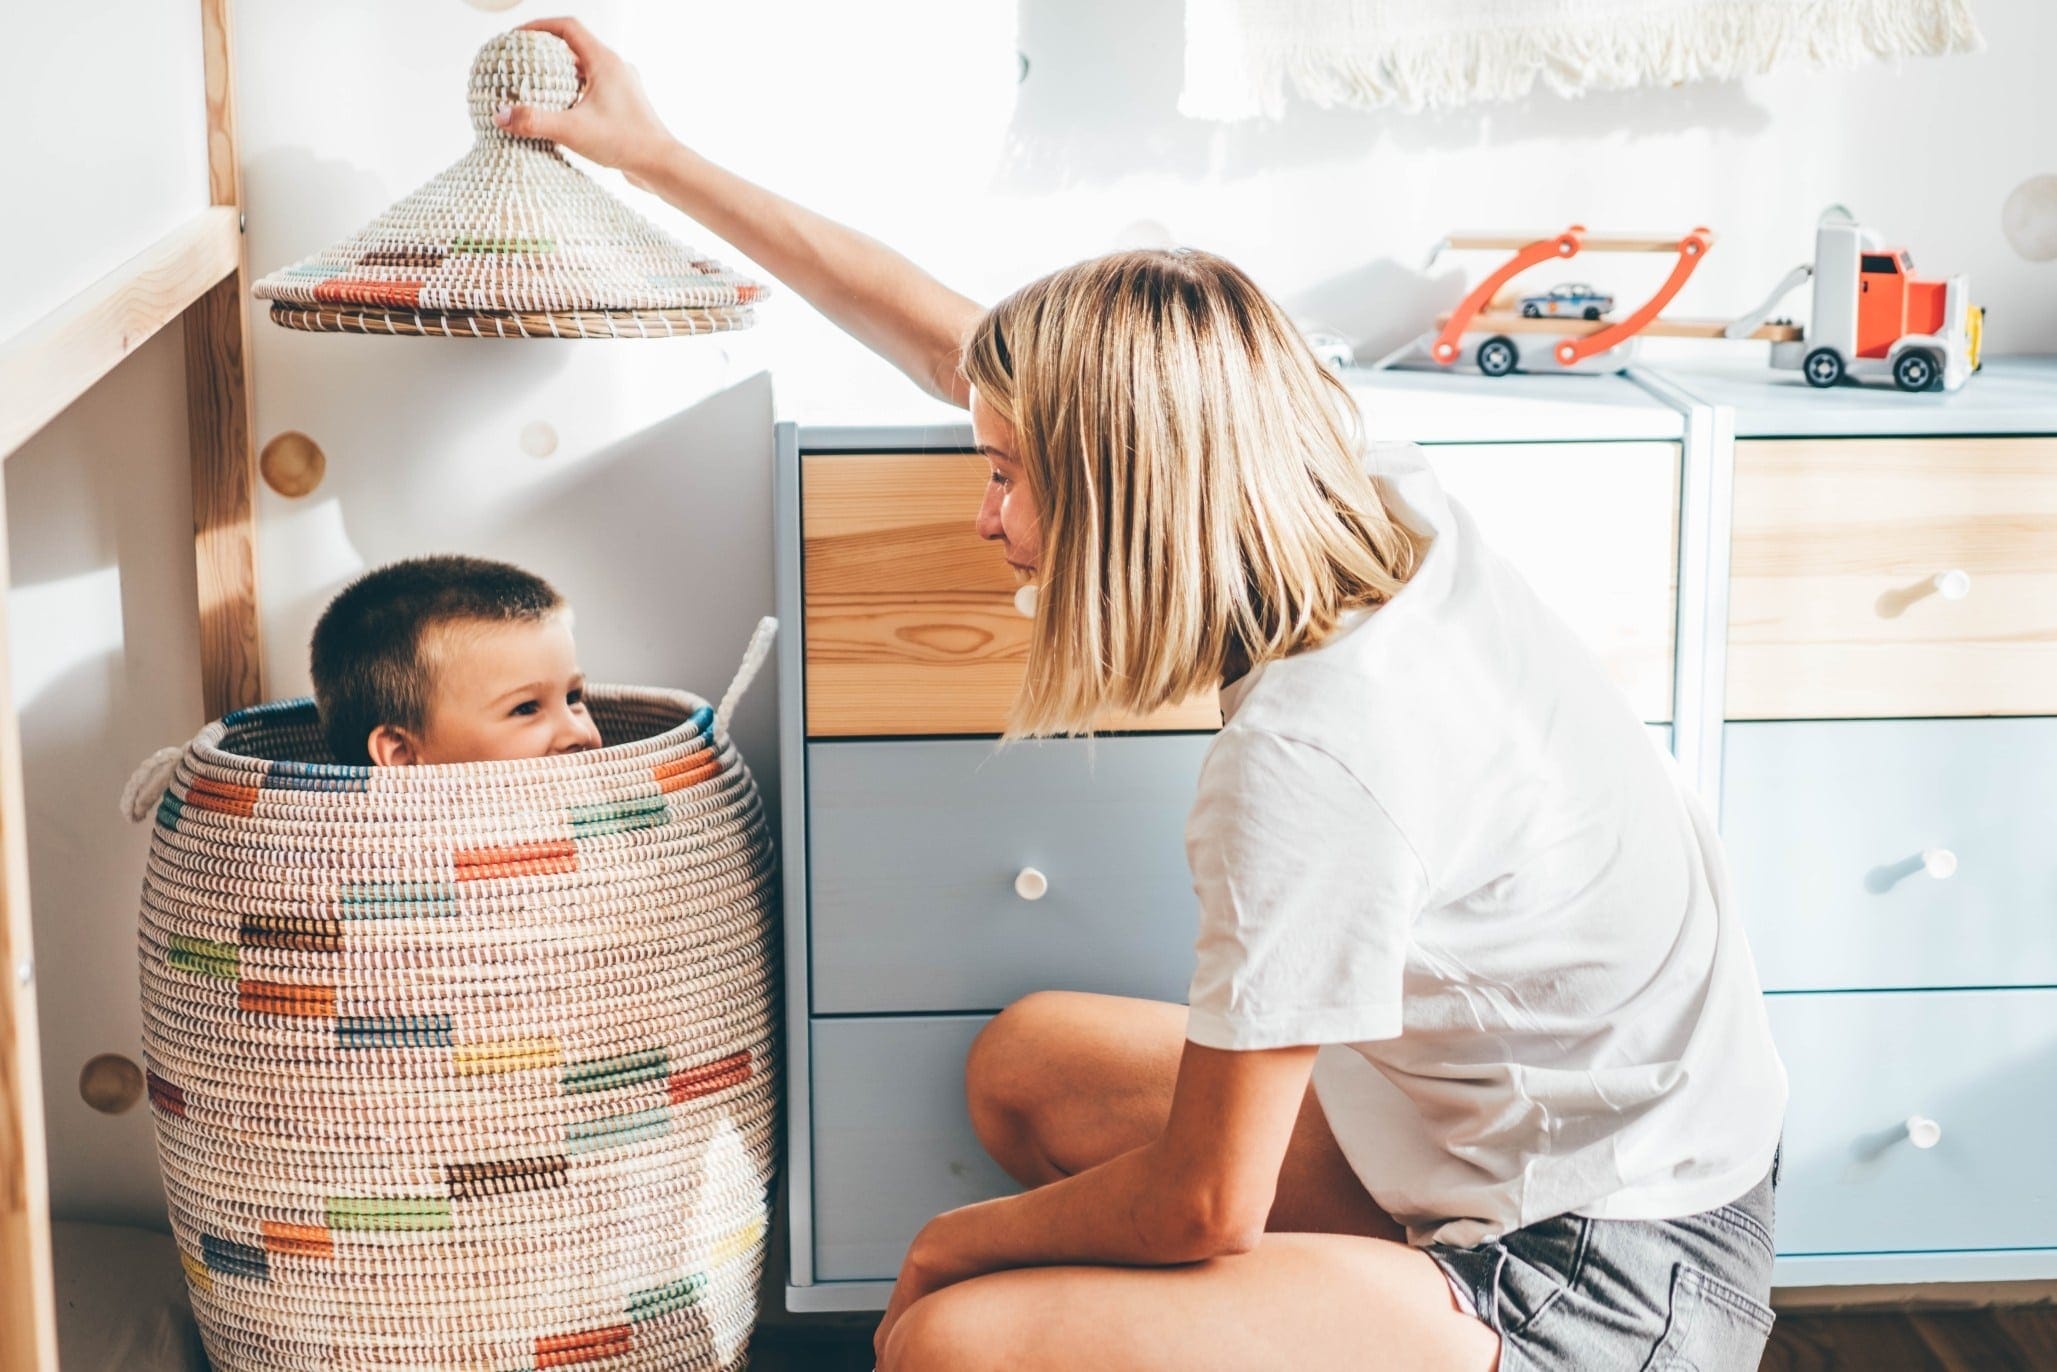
x,y
914,849
893,1144
1982,1065
1826,825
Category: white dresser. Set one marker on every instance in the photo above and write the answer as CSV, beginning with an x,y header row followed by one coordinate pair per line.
x,y
930,879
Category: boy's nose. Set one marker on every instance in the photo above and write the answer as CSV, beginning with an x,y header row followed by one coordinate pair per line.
x,y
577,734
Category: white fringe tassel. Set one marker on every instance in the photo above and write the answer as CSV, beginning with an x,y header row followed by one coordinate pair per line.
x,y
1433,54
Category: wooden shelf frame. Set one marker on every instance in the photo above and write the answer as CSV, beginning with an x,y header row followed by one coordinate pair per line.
x,y
196,275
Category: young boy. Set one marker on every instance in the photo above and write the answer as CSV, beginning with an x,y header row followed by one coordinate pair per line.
x,y
449,659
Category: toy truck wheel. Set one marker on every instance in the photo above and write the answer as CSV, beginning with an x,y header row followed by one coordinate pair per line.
x,y
1916,370
1823,367
1592,311
1496,356
1531,311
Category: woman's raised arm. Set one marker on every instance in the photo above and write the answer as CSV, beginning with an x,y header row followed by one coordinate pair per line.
x,y
879,297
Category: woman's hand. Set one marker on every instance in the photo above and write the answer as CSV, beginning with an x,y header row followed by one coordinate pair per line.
x,y
613,122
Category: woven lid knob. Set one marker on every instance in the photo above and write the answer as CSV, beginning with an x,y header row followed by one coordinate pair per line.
x,y
522,67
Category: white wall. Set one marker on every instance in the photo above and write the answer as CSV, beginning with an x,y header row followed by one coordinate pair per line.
x,y
106,142
103,627
905,118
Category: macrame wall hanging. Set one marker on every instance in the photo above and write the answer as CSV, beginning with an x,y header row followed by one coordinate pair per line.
x,y
1242,56
512,241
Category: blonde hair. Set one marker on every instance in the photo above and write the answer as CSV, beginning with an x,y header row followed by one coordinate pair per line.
x,y
1199,476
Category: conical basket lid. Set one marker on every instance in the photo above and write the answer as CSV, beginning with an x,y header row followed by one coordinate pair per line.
x,y
512,241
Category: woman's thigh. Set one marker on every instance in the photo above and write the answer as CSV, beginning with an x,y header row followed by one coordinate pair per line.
x,y
1298,1301
1061,1081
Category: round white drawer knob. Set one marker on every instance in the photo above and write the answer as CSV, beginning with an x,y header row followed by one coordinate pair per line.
x,y
1939,863
1923,1132
1031,884
1025,600
1952,585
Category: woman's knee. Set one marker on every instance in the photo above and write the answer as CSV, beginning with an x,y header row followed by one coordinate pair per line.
x,y
1006,1078
952,1330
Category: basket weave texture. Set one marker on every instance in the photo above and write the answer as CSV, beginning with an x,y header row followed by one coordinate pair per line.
x,y
465,1066
512,241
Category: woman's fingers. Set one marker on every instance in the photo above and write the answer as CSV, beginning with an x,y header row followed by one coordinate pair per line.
x,y
584,46
526,121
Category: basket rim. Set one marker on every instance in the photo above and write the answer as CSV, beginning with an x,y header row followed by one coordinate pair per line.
x,y
206,746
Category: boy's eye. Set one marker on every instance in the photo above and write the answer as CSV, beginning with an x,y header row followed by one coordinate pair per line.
x,y
528,707
576,698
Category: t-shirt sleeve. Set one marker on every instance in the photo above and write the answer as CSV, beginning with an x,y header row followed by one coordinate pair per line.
x,y
1308,893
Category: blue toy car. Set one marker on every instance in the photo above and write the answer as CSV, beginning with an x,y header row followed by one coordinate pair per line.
x,y
1573,301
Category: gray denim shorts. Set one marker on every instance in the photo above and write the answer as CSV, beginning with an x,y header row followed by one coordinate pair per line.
x,y
1684,1295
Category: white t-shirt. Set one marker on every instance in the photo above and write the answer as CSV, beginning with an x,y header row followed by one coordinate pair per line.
x,y
1442,846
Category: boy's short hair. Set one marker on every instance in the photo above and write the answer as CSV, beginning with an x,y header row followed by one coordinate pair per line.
x,y
367,653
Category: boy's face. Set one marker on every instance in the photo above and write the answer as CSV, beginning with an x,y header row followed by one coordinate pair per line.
x,y
499,691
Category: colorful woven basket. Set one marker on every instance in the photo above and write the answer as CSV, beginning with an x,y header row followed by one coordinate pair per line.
x,y
465,1066
512,241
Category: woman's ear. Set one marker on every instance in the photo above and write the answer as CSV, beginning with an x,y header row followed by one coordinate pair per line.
x,y
392,746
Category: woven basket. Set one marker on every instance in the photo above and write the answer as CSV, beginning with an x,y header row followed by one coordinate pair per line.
x,y
465,1066
512,241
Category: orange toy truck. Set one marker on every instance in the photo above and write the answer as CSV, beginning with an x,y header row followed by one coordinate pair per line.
x,y
1872,319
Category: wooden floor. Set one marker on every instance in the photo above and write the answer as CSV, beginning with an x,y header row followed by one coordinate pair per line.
x,y
2001,1339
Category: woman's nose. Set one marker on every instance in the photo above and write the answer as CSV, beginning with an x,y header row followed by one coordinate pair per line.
x,y
989,515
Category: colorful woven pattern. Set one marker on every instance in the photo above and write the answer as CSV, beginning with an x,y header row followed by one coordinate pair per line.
x,y
465,1066
512,241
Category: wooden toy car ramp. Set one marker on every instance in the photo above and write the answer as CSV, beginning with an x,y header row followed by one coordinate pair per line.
x,y
1595,336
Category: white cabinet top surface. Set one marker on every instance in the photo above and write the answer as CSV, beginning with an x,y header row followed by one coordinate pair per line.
x,y
1418,406
2009,395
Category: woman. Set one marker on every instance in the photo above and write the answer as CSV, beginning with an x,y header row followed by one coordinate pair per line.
x,y
1475,1072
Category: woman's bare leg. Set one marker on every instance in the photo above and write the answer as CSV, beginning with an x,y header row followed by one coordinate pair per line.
x,y
1061,1081
1304,1302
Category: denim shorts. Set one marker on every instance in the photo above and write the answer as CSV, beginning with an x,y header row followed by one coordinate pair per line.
x,y
1684,1295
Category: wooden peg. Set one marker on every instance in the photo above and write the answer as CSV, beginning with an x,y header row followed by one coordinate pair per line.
x,y
292,463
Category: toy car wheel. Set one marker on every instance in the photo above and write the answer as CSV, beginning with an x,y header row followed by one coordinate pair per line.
x,y
1592,311
1496,356
1916,370
1531,311
1823,367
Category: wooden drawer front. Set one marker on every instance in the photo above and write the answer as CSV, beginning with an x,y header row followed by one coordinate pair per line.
x,y
1981,1064
1593,527
910,626
1827,826
1833,608
915,848
893,1145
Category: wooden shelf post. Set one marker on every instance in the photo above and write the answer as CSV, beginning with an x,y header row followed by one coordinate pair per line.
x,y
219,417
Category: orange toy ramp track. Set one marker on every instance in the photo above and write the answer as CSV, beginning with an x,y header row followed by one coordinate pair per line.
x,y
1506,321
1579,343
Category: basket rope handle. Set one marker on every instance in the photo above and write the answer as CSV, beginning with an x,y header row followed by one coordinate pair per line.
x,y
753,658
147,786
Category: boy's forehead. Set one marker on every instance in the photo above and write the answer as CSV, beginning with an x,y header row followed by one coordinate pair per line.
x,y
459,648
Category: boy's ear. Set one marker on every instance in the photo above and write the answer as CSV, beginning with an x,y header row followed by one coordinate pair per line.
x,y
392,746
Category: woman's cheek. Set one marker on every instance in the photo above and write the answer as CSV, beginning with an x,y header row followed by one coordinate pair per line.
x,y
1021,525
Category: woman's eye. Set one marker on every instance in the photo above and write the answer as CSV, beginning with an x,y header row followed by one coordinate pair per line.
x,y
1002,480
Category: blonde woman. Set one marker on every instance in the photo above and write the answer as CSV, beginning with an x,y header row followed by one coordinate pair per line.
x,y
1475,1070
